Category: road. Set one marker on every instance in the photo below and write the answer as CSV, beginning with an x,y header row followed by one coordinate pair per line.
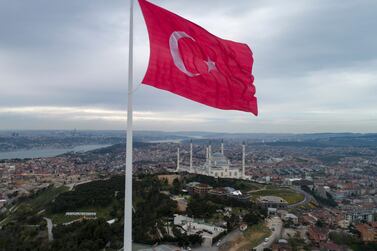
x,y
277,225
307,198
49,228
72,185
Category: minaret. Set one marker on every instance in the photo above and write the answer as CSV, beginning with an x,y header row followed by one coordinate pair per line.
x,y
222,147
191,157
207,159
178,159
209,151
243,160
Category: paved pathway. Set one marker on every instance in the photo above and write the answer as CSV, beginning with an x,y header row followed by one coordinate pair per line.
x,y
307,198
49,228
72,185
277,224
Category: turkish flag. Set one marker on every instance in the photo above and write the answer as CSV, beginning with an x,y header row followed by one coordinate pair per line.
x,y
187,60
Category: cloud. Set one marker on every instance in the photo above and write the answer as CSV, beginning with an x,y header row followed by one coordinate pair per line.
x,y
78,113
314,66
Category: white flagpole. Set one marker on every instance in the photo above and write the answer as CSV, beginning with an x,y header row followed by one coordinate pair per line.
x,y
127,240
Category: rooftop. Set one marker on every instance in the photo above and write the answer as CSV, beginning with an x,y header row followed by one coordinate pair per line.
x,y
272,199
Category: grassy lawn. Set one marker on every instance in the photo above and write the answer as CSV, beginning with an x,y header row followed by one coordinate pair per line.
x,y
256,234
249,186
289,195
247,240
253,236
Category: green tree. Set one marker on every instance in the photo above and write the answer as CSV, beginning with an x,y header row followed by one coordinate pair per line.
x,y
232,222
252,218
177,187
201,207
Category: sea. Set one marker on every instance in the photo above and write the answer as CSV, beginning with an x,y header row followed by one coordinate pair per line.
x,y
44,153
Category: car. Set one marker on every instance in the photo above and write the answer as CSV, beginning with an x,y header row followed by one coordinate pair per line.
x,y
266,239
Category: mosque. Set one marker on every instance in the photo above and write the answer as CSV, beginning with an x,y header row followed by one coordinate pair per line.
x,y
217,165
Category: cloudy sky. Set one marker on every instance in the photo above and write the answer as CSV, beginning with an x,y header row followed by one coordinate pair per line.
x,y
63,65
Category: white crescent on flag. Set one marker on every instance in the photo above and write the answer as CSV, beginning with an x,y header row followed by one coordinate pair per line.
x,y
176,55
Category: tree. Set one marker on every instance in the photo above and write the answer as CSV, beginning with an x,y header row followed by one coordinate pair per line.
x,y
232,222
252,218
185,240
201,207
288,223
320,224
86,235
177,187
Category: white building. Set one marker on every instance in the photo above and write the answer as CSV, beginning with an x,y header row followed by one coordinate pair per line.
x,y
360,215
207,232
217,165
272,202
291,217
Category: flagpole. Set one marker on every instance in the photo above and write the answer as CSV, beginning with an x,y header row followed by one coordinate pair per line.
x,y
127,239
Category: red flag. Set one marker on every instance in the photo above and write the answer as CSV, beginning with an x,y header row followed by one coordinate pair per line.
x,y
189,61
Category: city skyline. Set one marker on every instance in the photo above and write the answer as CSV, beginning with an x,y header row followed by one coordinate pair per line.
x,y
64,66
